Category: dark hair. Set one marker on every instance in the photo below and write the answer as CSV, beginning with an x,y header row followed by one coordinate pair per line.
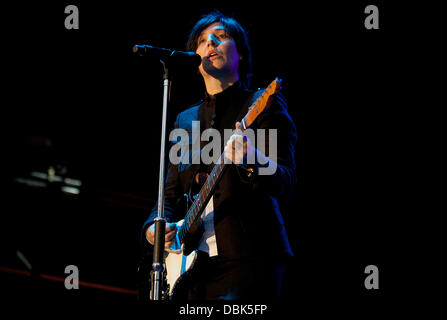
x,y
236,32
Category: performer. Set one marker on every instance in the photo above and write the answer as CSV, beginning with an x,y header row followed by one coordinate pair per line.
x,y
243,234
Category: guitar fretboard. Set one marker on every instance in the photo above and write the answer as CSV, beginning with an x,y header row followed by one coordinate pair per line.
x,y
202,198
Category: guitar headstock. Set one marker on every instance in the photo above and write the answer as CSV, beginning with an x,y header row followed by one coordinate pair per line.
x,y
275,85
262,102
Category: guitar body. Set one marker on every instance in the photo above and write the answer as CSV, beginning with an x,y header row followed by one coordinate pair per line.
x,y
189,269
179,267
182,268
181,264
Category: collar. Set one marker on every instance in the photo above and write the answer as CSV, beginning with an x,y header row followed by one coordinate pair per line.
x,y
236,87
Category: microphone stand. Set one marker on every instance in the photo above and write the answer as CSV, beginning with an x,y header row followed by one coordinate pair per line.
x,y
158,275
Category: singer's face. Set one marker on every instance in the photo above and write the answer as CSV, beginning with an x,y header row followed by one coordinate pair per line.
x,y
218,51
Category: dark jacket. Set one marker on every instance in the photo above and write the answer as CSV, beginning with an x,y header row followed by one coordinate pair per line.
x,y
247,217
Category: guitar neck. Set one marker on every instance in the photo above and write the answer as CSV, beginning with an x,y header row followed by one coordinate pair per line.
x,y
202,198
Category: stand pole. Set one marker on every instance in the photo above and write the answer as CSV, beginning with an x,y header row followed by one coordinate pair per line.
x,y
158,291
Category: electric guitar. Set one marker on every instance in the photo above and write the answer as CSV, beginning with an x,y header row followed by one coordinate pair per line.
x,y
180,265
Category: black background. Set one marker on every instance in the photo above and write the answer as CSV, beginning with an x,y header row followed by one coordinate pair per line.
x,y
100,106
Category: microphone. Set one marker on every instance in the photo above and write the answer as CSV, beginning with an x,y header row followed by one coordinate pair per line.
x,y
169,54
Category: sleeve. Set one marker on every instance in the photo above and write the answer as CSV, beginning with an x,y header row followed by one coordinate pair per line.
x,y
172,194
282,183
